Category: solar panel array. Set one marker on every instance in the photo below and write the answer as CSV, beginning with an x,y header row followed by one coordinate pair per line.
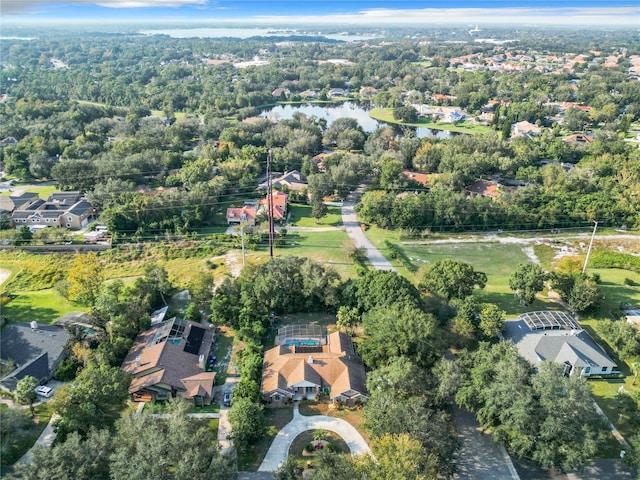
x,y
546,320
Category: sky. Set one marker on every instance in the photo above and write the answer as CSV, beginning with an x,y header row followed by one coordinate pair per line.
x,y
326,12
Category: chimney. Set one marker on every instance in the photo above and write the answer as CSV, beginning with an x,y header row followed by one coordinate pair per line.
x,y
138,360
310,360
201,361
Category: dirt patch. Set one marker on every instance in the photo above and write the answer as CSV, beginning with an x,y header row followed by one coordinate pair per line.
x,y
4,275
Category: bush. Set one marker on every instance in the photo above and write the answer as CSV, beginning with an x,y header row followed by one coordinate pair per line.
x,y
67,370
629,282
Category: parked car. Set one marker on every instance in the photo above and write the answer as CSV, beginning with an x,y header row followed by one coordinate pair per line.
x,y
44,391
226,399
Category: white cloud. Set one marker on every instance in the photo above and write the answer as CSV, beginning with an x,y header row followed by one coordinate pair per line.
x,y
510,16
13,7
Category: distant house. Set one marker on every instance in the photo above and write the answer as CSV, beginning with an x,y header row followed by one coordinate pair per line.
x,y
367,92
9,141
453,116
318,160
36,350
421,178
298,370
279,92
557,337
61,209
578,139
309,94
526,129
486,188
245,214
337,92
171,360
632,315
293,180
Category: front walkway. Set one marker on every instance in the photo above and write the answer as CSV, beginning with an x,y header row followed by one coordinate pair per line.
x,y
45,439
279,449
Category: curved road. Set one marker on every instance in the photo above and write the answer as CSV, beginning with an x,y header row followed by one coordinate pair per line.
x,y
279,449
352,226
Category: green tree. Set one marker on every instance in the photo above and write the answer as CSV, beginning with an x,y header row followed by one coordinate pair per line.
x,y
148,448
85,278
75,458
247,422
405,114
399,330
24,236
16,427
451,279
94,399
527,280
491,320
26,393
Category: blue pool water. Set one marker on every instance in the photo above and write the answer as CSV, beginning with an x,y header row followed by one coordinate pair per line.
x,y
302,343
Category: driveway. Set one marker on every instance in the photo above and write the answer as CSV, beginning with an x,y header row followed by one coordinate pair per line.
x,y
479,457
352,226
224,427
279,449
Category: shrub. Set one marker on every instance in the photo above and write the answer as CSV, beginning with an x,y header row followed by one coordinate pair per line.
x,y
629,282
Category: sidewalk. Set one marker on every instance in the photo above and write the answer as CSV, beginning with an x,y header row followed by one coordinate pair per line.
x,y
45,439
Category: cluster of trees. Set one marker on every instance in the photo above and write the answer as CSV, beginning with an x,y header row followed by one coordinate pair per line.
x,y
545,195
542,415
139,446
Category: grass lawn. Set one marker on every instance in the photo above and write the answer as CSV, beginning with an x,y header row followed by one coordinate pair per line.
x,y
300,216
251,458
304,458
22,445
614,290
223,344
386,115
497,260
329,248
44,306
43,191
353,415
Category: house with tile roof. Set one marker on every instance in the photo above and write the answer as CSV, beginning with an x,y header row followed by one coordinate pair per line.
x,y
245,214
557,337
296,370
279,200
525,129
170,360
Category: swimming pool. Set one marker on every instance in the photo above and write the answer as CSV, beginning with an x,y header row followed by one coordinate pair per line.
x,y
302,343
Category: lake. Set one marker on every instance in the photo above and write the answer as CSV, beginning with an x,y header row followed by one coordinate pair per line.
x,y
345,110
243,33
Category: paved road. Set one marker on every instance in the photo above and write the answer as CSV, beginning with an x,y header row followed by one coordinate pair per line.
x,y
352,226
479,457
279,449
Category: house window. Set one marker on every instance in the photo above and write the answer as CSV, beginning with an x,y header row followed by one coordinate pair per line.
x,y
70,218
24,220
604,369
276,398
68,225
46,220
55,220
587,369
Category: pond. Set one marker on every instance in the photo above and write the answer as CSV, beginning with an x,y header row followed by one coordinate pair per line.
x,y
332,112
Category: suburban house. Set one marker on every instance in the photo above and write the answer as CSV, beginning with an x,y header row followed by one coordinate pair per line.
x,y
632,315
33,349
245,214
578,139
486,188
309,94
557,337
421,178
279,92
303,368
279,206
17,202
9,141
293,181
337,92
525,129
61,209
171,359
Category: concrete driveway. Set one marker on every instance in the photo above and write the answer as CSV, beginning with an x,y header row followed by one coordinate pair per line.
x,y
224,427
352,226
279,449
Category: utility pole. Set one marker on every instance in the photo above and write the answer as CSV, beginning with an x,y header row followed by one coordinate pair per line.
x,y
270,204
586,260
244,258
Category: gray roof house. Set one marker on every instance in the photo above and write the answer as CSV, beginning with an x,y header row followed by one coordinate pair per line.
x,y
35,351
557,337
